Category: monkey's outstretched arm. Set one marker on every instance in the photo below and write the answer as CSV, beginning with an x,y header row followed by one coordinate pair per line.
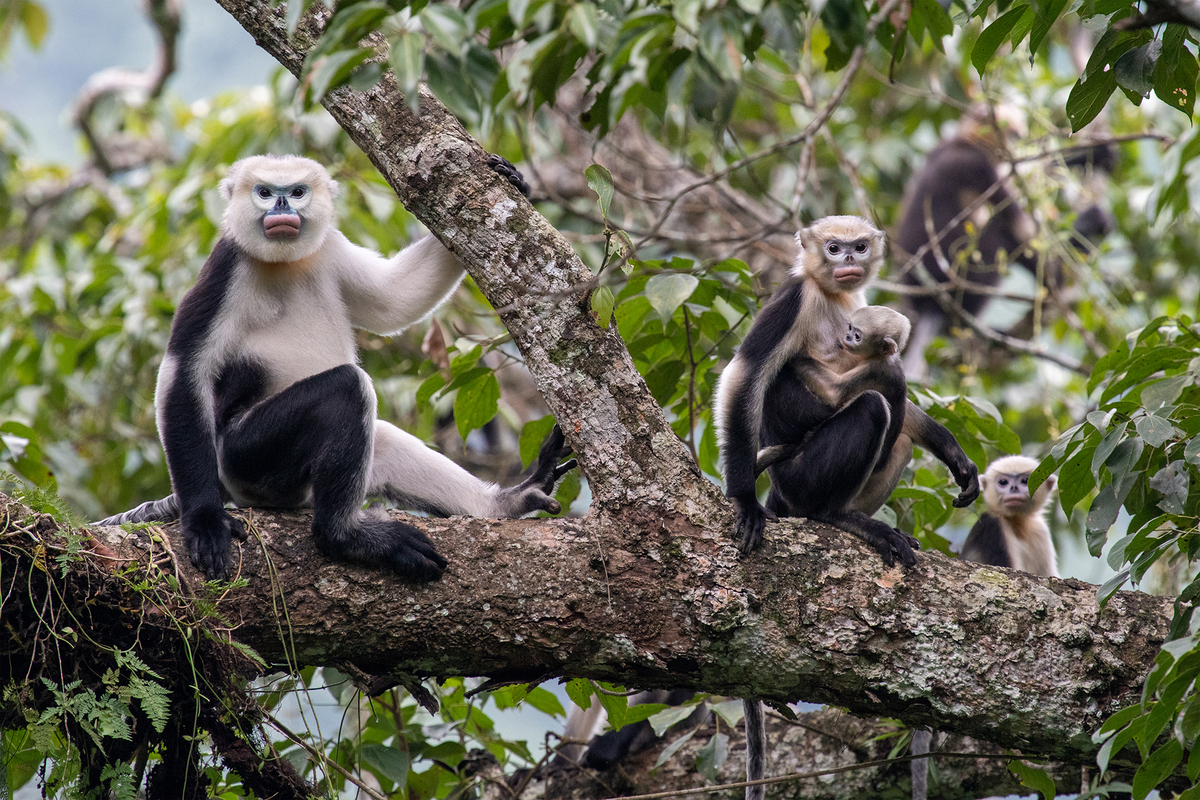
x,y
385,296
770,343
931,435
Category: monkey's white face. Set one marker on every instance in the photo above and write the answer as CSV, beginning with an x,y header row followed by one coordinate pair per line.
x,y
283,208
849,261
1012,491
280,207
841,253
1006,487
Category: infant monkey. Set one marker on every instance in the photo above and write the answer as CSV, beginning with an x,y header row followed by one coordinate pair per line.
x,y
867,360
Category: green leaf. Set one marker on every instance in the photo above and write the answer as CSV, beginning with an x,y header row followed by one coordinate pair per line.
x,y
545,701
1075,478
1191,453
1048,13
600,181
35,22
712,756
602,303
1193,772
1164,392
1135,69
1034,778
731,711
1157,768
295,10
429,388
389,762
663,720
1173,482
446,25
331,71
643,711
668,291
1155,430
1116,743
476,403
673,747
1116,722
533,433
1088,97
1104,510
584,21
615,705
1112,585
580,691
407,59
1107,445
1176,72
994,35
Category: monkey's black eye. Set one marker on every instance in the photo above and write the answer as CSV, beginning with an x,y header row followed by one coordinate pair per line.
x,y
299,192
861,247
833,249
1002,482
264,192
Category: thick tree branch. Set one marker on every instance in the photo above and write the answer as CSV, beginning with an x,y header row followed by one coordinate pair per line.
x,y
651,600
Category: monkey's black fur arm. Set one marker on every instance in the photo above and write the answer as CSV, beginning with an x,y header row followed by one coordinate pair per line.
x,y
926,432
188,426
985,543
742,411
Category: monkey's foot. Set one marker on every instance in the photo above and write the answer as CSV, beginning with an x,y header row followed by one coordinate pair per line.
x,y
207,533
403,547
751,520
502,167
889,542
536,493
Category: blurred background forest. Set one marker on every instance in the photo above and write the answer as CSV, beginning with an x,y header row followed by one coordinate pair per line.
x,y
724,128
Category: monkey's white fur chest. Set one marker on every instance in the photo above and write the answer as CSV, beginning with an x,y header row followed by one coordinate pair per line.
x,y
293,322
1031,547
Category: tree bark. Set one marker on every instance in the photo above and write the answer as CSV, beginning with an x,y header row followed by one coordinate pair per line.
x,y
648,590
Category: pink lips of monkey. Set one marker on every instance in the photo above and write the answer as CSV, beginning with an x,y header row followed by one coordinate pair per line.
x,y
849,272
282,226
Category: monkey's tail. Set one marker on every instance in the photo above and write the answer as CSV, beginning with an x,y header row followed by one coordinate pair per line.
x,y
920,766
165,510
756,748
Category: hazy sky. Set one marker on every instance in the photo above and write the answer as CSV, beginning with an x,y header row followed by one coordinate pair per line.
x,y
86,36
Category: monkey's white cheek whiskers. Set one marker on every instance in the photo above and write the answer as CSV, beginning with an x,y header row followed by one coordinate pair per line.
x,y
282,226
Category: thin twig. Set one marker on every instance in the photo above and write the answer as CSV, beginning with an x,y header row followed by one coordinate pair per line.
x,y
320,758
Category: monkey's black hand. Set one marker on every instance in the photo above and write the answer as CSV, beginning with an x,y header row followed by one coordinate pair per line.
x,y
751,519
969,486
501,166
536,493
207,533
